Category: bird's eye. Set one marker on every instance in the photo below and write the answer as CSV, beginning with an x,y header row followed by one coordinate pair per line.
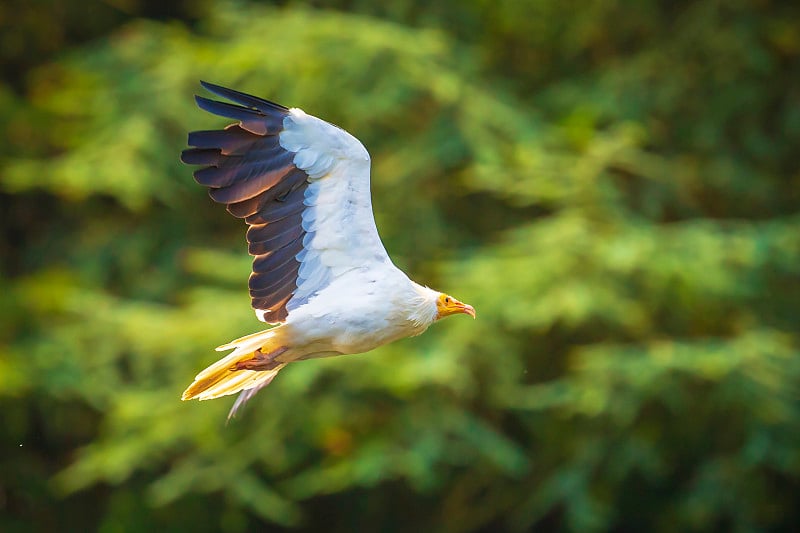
x,y
447,300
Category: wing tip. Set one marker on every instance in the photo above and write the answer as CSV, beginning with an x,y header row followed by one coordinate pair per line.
x,y
207,104
210,86
241,98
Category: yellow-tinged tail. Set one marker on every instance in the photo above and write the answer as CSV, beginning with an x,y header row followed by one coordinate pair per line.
x,y
223,377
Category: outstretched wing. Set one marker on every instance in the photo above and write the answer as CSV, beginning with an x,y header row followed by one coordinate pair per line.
x,y
302,186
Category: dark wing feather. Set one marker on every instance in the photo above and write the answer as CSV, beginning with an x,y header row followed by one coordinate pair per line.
x,y
252,120
265,106
246,169
276,241
288,194
231,140
247,180
268,231
201,156
281,258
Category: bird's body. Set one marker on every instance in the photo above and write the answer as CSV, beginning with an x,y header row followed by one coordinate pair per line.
x,y
380,306
320,269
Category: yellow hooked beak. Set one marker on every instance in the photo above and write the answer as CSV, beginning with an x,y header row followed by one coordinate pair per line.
x,y
446,305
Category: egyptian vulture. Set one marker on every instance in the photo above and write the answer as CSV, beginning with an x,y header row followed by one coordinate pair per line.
x,y
321,275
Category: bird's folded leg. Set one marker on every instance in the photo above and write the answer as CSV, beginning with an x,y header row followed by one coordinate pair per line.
x,y
261,360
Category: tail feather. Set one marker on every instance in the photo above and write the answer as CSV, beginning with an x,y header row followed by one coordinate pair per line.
x,y
257,338
248,393
221,378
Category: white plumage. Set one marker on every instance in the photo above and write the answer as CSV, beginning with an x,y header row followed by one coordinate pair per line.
x,y
320,268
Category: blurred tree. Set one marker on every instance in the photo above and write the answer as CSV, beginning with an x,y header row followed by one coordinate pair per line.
x,y
614,185
33,32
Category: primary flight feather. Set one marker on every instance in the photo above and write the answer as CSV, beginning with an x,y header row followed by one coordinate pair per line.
x,y
320,273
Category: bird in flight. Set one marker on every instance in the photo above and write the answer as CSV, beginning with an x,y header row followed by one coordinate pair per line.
x,y
321,275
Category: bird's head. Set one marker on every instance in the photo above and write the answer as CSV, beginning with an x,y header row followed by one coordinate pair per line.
x,y
446,305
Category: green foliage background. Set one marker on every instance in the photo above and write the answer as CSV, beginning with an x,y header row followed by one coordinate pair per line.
x,y
614,185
